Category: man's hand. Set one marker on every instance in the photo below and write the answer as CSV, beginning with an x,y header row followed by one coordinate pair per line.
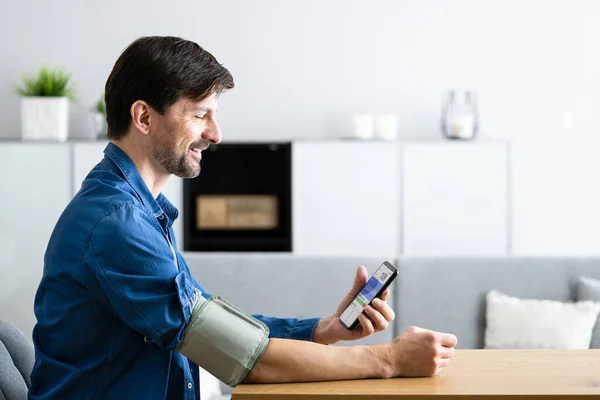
x,y
330,330
419,352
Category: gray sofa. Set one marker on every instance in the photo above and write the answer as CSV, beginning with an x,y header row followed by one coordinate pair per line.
x,y
444,294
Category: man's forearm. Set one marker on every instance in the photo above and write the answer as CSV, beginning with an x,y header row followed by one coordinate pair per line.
x,y
301,361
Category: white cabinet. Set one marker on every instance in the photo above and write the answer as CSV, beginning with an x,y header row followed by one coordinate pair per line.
x,y
35,187
345,199
380,199
455,198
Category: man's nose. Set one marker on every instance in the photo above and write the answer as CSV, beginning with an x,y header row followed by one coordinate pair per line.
x,y
212,133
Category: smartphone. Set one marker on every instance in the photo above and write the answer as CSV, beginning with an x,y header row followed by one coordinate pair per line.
x,y
374,287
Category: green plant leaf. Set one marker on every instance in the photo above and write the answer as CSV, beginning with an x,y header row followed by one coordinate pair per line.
x,y
48,83
100,105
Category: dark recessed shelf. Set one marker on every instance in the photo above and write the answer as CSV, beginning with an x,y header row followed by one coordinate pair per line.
x,y
262,171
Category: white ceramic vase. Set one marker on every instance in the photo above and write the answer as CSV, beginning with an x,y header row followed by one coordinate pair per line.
x,y
363,126
386,127
45,118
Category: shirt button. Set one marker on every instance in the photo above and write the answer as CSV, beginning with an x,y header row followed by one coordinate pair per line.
x,y
161,217
189,385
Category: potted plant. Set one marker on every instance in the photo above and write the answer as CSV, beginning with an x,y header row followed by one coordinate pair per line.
x,y
99,115
45,104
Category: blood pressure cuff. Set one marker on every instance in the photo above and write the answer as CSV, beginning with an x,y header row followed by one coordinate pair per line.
x,y
224,340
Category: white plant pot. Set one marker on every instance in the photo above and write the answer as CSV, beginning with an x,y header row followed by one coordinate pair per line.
x,y
45,118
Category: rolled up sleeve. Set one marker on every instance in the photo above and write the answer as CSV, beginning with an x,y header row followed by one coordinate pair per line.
x,y
289,328
130,269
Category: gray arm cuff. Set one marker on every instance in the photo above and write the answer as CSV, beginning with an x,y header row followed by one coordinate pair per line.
x,y
224,340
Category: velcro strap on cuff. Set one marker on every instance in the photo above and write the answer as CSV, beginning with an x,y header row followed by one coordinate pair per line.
x,y
224,340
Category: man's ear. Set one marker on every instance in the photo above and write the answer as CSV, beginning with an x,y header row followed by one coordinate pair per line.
x,y
140,116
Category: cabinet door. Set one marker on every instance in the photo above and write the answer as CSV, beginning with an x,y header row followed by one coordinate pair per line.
x,y
455,198
35,187
85,157
345,199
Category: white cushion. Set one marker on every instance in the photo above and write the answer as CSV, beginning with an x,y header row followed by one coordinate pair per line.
x,y
588,289
514,323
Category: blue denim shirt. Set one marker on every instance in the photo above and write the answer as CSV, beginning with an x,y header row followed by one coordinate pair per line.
x,y
116,296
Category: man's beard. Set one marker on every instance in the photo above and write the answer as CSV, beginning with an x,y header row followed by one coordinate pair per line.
x,y
181,165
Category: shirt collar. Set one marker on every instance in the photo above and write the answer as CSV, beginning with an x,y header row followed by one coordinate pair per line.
x,y
159,205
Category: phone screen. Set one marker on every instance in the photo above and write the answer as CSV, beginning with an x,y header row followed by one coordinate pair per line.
x,y
366,295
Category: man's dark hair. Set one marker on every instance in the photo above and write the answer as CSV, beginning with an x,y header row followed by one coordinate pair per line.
x,y
160,70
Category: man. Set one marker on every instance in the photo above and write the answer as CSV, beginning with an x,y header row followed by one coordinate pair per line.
x,y
119,314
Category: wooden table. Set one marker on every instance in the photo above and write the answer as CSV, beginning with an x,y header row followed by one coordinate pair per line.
x,y
472,374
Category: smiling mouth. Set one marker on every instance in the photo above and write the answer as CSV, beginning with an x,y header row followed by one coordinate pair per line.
x,y
197,151
197,148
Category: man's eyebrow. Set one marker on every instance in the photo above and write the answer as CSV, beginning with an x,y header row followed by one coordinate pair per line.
x,y
200,108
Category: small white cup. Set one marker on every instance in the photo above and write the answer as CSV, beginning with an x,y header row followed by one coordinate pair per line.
x,y
386,126
363,126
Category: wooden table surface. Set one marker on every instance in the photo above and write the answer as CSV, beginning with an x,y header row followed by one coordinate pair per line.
x,y
472,374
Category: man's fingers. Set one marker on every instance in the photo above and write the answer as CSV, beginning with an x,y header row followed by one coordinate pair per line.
x,y
378,320
385,295
446,352
443,362
360,278
367,325
384,309
449,340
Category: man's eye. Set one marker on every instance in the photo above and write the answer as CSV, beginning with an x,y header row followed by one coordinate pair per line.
x,y
200,116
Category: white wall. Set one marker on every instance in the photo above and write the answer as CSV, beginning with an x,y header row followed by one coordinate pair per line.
x,y
303,67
